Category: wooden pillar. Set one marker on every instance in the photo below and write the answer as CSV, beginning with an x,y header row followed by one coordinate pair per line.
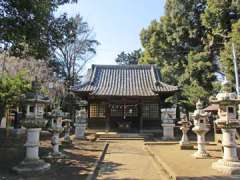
x,y
160,109
140,116
108,112
88,110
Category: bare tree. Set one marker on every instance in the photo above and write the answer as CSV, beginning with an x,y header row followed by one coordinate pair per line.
x,y
74,52
32,68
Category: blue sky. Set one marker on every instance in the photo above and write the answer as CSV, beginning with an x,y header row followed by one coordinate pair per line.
x,y
116,23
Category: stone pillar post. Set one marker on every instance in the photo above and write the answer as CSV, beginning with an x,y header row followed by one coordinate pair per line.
x,y
229,145
168,131
230,163
201,152
67,129
32,163
55,144
168,117
32,144
80,124
184,140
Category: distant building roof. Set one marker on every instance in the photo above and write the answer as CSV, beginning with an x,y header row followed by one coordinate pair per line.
x,y
211,108
124,80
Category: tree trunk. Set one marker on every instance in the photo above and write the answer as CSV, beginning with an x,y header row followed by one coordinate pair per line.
x,y
2,112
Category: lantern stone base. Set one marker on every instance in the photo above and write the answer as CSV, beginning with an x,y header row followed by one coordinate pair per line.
x,y
19,131
80,131
67,142
201,155
227,167
58,155
31,167
32,164
186,146
184,143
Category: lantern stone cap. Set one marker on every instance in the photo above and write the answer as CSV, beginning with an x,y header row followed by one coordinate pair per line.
x,y
67,120
223,98
83,103
36,96
184,121
34,123
199,113
57,113
234,123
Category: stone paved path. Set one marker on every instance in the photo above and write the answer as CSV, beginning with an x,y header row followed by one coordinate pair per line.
x,y
129,160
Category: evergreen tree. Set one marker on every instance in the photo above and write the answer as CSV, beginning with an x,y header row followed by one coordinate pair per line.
x,y
31,23
129,58
177,43
226,56
222,21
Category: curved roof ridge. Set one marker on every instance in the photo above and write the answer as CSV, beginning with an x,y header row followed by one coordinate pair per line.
x,y
137,66
125,80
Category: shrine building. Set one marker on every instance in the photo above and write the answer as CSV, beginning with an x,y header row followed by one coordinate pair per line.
x,y
124,97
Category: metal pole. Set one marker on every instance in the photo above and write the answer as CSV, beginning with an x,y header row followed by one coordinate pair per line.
x,y
235,68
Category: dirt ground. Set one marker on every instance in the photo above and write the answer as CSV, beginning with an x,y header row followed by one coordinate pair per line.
x,y
79,163
128,159
183,164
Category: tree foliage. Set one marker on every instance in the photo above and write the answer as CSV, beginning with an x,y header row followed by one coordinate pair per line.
x,y
129,58
177,44
11,89
191,43
32,24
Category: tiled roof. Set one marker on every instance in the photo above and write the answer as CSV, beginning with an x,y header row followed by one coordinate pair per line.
x,y
124,80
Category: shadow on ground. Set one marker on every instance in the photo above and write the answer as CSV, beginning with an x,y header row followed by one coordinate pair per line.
x,y
78,164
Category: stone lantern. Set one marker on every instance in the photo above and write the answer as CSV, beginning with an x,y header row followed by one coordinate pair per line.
x,y
185,126
34,121
56,128
228,123
201,124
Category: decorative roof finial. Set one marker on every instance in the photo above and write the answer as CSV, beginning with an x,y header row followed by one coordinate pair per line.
x,y
199,105
36,86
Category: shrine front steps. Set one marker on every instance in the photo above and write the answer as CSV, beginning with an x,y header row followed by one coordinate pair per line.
x,y
122,136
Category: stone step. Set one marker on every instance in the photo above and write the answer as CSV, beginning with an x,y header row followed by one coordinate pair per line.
x,y
114,135
120,138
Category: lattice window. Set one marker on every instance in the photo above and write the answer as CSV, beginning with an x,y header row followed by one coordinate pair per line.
x,y
131,110
150,111
117,110
97,110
